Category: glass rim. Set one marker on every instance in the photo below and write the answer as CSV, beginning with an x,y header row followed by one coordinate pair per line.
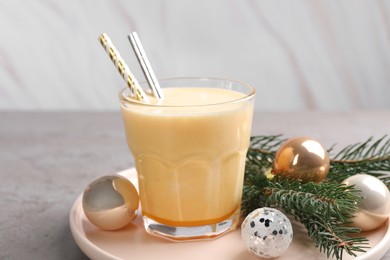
x,y
250,95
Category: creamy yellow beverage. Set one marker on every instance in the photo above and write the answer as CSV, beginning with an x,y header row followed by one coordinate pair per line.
x,y
189,154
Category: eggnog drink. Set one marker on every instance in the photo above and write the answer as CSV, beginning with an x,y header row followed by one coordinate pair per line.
x,y
189,151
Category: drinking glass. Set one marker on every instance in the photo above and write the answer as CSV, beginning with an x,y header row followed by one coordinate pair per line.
x,y
190,159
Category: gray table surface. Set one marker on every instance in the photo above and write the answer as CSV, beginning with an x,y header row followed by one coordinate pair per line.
x,y
47,159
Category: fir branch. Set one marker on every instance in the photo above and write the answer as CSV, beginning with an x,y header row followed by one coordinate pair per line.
x,y
366,150
331,200
324,209
260,159
266,142
254,184
333,239
370,157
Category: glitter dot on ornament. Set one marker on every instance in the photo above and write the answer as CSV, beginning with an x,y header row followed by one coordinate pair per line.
x,y
110,202
374,209
302,158
266,232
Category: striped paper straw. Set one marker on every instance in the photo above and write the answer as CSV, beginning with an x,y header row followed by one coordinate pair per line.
x,y
123,69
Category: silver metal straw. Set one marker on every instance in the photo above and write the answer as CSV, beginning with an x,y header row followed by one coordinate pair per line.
x,y
145,65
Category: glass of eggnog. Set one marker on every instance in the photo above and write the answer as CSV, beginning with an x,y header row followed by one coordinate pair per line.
x,y
189,150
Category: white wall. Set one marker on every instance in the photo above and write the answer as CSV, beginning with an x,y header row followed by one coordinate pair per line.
x,y
299,54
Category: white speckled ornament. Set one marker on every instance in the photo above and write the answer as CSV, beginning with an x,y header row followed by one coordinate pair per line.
x,y
267,232
374,209
110,202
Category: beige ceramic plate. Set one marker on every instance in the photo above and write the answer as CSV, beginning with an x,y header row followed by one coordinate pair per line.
x,y
133,242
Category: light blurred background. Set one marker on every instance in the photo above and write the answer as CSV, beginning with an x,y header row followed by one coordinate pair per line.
x,y
300,55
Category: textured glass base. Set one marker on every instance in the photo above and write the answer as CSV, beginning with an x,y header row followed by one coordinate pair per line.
x,y
178,234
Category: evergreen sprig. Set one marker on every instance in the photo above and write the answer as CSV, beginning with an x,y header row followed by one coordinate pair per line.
x,y
324,208
370,157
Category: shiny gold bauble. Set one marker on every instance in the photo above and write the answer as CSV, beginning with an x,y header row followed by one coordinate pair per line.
x,y
374,209
110,202
302,158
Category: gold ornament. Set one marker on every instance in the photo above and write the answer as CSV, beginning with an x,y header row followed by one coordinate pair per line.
x,y
302,158
110,202
374,209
